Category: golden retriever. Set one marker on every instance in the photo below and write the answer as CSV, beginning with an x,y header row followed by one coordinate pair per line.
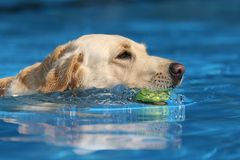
x,y
96,60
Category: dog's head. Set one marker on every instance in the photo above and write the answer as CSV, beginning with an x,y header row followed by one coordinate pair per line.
x,y
104,61
100,61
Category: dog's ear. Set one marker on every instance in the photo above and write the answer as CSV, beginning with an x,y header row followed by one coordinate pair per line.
x,y
66,74
57,54
59,71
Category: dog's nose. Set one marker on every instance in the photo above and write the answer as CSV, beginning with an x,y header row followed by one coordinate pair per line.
x,y
176,70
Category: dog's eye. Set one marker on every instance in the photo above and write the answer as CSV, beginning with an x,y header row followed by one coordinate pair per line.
x,y
124,56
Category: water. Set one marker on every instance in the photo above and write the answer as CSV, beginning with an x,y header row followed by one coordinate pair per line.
x,y
203,35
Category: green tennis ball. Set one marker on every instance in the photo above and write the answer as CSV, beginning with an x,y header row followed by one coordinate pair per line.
x,y
153,96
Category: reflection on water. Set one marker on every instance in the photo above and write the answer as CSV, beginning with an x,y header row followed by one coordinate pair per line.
x,y
205,39
98,127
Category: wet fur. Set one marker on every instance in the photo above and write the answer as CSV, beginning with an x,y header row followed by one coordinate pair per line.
x,y
4,84
48,76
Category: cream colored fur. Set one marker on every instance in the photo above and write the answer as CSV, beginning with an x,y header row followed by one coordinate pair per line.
x,y
91,61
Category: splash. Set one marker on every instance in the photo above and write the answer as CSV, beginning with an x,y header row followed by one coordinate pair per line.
x,y
118,95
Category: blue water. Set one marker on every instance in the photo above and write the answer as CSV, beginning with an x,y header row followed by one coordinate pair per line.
x,y
106,124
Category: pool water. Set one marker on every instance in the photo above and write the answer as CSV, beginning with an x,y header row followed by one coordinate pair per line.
x,y
201,120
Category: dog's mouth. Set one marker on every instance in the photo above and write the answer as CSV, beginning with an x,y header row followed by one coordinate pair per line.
x,y
177,81
161,81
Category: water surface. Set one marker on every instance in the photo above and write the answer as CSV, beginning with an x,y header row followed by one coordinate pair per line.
x,y
203,35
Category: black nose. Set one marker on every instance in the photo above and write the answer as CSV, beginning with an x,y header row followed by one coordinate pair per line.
x,y
176,70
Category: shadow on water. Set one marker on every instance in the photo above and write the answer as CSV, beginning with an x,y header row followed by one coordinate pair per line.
x,y
93,120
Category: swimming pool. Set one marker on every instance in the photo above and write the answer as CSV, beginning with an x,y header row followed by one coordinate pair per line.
x,y
105,124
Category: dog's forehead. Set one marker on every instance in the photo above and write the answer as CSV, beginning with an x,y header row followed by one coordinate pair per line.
x,y
99,48
108,41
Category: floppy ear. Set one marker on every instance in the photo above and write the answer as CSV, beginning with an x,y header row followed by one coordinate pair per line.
x,y
66,74
57,72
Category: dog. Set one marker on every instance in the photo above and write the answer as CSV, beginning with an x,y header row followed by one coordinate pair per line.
x,y
96,60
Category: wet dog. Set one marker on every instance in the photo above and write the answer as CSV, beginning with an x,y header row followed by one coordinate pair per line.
x,y
96,60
